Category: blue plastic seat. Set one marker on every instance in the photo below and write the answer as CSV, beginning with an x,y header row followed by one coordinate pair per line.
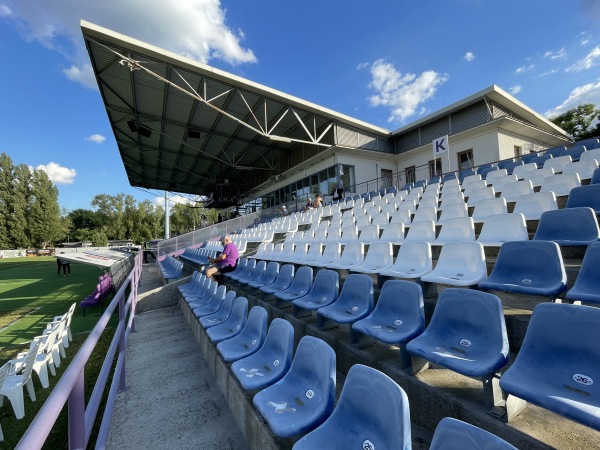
x,y
354,303
204,299
398,317
271,362
557,366
585,196
303,399
528,158
555,152
595,177
407,187
510,166
233,325
466,334
218,293
528,267
372,413
568,227
221,315
191,285
249,340
587,284
485,170
300,286
451,434
421,183
574,152
324,291
216,304
283,281
199,291
239,268
541,159
255,275
464,173
269,277
449,176
250,265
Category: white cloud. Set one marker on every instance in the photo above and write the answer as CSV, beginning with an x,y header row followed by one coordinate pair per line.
x,y
469,56
193,28
559,54
402,93
588,93
584,38
523,69
588,62
176,199
57,173
83,75
97,138
549,72
515,89
362,65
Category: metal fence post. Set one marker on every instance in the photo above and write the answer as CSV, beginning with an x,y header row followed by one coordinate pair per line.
x,y
76,414
122,342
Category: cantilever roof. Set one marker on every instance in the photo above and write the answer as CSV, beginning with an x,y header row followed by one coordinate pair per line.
x,y
184,126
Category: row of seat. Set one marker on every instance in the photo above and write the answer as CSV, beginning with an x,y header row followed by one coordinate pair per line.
x,y
44,354
170,268
296,395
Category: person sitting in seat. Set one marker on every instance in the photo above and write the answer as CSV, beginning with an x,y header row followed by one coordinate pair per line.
x,y
318,203
309,204
226,261
283,211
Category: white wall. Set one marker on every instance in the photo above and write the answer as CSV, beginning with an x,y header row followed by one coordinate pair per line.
x,y
366,169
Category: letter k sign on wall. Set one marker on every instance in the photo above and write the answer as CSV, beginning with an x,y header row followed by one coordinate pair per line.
x,y
440,145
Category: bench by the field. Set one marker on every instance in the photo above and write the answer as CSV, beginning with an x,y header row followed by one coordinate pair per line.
x,y
97,297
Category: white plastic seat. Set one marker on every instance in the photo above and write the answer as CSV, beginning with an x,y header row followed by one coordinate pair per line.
x,y
560,184
522,171
502,228
349,234
373,210
453,183
428,202
389,208
494,175
362,221
500,183
369,234
44,360
313,254
318,236
453,211
489,207
454,188
379,257
532,206
408,205
352,255
481,194
414,260
13,385
512,191
452,199
459,264
393,233
474,185
470,179
298,253
421,231
331,254
348,221
333,235
590,154
585,169
401,216
558,164
324,224
537,176
431,192
456,230
425,214
382,220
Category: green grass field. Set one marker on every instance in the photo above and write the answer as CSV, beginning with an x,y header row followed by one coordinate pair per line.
x,y
31,294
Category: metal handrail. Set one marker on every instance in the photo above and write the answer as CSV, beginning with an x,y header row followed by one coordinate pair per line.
x,y
70,387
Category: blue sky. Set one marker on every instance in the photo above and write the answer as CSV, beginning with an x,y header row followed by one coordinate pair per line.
x,y
384,62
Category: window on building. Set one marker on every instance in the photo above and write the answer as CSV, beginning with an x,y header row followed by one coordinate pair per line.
x,y
465,159
347,177
386,178
409,173
435,168
518,151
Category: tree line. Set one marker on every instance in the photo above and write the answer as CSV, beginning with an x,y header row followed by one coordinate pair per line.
x,y
30,215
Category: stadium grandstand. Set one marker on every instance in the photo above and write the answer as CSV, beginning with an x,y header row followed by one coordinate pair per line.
x,y
446,302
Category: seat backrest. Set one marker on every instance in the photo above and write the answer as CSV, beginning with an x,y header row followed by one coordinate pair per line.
x,y
522,170
357,291
489,207
590,154
371,404
369,233
554,151
459,229
401,216
285,277
504,228
574,152
425,214
510,167
256,325
428,202
481,194
29,360
568,226
465,257
527,158
491,177
595,177
588,278
558,163
453,211
353,253
414,257
472,186
452,434
585,196
279,342
560,184
540,160
380,254
302,282
326,286
512,191
401,300
421,231
532,206
501,182
394,232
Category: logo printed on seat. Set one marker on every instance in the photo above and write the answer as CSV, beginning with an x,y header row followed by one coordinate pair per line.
x,y
254,342
310,394
583,379
397,322
526,281
367,445
355,308
276,362
465,342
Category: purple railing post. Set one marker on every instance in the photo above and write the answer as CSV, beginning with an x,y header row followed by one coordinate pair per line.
x,y
122,340
76,414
